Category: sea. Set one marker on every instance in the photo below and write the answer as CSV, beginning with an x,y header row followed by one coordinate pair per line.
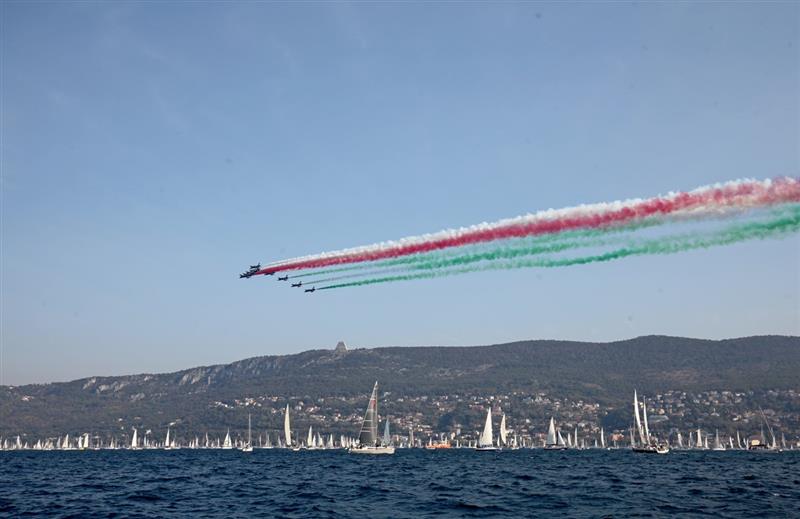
x,y
412,483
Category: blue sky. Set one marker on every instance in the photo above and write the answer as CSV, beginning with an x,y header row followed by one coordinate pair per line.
x,y
151,151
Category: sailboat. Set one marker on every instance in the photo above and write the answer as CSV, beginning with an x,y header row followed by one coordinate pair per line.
x,y
387,440
227,444
554,441
287,428
134,439
167,444
485,441
368,442
503,432
248,447
718,444
647,444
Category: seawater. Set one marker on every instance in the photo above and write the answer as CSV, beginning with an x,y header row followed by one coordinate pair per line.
x,y
412,483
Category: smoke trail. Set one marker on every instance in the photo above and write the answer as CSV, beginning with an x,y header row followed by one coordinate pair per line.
x,y
742,194
782,224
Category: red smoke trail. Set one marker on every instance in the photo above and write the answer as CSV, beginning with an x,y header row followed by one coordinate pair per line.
x,y
745,194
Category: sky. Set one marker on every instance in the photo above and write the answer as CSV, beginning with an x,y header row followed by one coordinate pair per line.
x,y
152,151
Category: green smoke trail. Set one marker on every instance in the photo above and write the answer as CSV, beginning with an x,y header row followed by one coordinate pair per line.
x,y
530,242
783,222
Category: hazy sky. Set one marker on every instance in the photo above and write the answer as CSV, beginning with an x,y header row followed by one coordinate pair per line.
x,y
151,151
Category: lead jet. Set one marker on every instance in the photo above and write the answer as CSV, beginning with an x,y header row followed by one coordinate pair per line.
x,y
284,278
298,284
257,266
311,289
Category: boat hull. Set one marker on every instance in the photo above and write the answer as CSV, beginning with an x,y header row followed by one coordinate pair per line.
x,y
371,450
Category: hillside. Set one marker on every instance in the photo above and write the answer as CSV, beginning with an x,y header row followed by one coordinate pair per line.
x,y
601,372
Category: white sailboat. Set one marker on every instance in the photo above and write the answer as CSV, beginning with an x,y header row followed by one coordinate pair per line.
x,y
167,444
248,447
718,446
368,442
387,440
602,439
554,441
135,439
227,444
485,441
287,428
646,445
503,431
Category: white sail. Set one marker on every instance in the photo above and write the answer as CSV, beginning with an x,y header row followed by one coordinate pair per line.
x,y
135,439
227,444
646,428
486,436
602,438
560,438
287,428
386,437
310,440
738,440
551,433
699,442
717,444
636,416
167,443
680,440
503,431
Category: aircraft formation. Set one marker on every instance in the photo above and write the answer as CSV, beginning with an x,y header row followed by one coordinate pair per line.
x,y
254,269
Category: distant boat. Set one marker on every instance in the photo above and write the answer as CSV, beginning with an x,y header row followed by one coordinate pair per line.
x,y
248,447
368,442
387,440
485,441
134,439
718,446
647,444
227,444
287,428
554,441
167,444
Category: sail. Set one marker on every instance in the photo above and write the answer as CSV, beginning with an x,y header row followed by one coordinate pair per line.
x,y
287,430
636,416
738,439
503,431
486,436
166,442
717,443
551,433
386,437
369,428
135,439
602,438
646,428
699,442
310,439
561,438
575,438
227,443
680,440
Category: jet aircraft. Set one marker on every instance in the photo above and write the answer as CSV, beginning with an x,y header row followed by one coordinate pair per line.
x,y
311,289
298,284
284,278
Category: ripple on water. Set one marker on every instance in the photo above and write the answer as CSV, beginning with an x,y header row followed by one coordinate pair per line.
x,y
412,483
